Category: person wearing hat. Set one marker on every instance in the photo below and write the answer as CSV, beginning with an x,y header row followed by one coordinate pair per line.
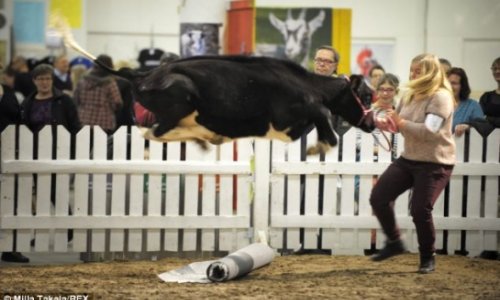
x,y
98,98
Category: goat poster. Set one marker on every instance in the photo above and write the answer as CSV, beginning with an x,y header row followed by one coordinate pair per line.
x,y
199,39
292,33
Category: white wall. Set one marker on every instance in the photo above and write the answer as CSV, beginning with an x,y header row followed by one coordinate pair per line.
x,y
464,31
122,28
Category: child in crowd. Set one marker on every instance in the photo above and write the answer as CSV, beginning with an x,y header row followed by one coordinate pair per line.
x,y
387,89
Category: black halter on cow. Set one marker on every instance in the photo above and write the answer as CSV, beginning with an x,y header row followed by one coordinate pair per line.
x,y
219,98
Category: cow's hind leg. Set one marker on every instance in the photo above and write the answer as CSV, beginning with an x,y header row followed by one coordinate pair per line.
x,y
322,119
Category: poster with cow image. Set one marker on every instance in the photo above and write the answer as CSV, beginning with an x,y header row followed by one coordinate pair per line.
x,y
292,33
199,39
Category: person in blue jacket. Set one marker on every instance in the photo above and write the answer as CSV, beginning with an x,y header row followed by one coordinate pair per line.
x,y
467,110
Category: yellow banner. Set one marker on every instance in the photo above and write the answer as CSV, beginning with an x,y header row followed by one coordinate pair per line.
x,y
341,38
71,9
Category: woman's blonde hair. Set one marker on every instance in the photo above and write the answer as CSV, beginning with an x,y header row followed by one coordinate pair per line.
x,y
433,78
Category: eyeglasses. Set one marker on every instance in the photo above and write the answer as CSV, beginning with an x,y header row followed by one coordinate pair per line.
x,y
389,90
323,61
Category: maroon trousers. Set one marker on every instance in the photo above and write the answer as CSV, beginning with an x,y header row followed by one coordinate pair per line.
x,y
427,180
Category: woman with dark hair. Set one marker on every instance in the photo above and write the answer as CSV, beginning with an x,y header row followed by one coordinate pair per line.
x,y
468,110
490,101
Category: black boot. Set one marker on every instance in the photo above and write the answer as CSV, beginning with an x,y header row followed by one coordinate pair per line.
x,y
15,257
392,248
427,264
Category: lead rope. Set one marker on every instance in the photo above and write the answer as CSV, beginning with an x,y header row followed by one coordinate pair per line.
x,y
389,144
392,128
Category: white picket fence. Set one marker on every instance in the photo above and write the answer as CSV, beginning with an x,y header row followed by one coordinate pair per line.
x,y
168,198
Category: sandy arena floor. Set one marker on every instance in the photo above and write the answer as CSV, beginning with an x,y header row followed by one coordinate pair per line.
x,y
290,277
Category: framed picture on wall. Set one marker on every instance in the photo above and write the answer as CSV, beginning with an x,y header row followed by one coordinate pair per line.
x,y
199,39
367,53
292,33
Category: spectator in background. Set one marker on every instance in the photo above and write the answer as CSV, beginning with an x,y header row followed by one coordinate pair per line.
x,y
48,105
445,64
23,82
490,101
10,113
326,61
374,75
387,88
77,72
467,109
9,80
62,77
98,98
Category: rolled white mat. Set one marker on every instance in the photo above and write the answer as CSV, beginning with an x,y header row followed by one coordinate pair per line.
x,y
240,262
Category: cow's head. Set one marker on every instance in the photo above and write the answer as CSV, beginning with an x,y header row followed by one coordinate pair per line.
x,y
351,106
297,33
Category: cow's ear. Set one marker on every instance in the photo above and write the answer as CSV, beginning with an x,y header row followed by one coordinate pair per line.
x,y
356,81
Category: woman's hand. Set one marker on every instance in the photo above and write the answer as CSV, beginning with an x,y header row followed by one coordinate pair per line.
x,y
395,118
382,124
460,129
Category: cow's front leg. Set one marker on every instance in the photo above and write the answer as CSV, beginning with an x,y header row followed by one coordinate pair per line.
x,y
322,119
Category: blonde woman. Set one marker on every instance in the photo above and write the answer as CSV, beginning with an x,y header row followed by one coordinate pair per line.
x,y
424,117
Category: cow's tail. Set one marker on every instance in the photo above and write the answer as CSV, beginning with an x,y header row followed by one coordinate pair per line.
x,y
60,25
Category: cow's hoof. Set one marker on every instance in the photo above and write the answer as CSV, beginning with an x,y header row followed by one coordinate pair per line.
x,y
203,144
147,133
319,148
217,139
313,150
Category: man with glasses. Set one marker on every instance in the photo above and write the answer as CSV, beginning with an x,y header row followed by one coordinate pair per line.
x,y
326,61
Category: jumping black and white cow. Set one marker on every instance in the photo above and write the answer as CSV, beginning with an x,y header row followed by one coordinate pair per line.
x,y
219,98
